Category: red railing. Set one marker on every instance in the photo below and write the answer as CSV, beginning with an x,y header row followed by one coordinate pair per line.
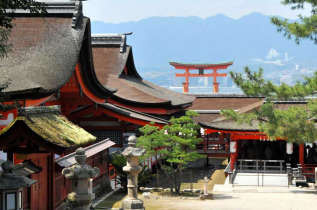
x,y
309,170
213,144
113,175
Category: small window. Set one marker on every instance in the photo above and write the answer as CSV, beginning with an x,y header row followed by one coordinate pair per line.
x,y
10,201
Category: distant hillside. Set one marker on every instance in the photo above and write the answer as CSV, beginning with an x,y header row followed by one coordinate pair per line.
x,y
251,40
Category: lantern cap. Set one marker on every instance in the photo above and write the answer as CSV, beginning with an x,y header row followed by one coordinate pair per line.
x,y
80,170
132,150
132,141
8,180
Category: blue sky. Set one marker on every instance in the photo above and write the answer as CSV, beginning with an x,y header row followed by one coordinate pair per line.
x,y
116,11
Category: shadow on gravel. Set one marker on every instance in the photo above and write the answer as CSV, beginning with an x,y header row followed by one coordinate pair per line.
x,y
221,197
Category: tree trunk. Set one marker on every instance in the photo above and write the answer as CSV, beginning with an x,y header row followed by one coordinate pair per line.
x,y
157,172
176,183
167,174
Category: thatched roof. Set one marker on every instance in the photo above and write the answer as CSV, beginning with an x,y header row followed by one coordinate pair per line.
x,y
44,51
50,126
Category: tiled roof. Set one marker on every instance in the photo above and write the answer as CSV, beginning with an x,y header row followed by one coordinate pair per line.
x,y
209,107
206,118
229,125
222,102
221,123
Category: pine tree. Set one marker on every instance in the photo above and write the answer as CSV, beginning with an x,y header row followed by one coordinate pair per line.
x,y
305,28
176,143
297,123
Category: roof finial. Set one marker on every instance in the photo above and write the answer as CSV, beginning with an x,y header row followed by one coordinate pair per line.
x,y
111,39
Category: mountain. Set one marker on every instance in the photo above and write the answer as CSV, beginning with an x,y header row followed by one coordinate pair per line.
x,y
250,41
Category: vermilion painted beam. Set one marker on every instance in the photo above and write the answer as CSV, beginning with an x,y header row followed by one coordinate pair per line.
x,y
209,130
254,137
131,120
36,102
208,68
203,75
144,109
92,110
86,91
188,67
239,135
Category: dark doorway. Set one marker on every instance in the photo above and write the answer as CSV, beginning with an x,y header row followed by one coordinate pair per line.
x,y
263,150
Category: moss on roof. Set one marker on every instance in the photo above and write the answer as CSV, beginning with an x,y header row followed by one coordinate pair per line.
x,y
54,128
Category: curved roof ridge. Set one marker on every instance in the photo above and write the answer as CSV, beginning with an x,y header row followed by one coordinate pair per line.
x,y
201,65
110,66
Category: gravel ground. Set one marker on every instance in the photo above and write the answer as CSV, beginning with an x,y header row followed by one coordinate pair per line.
x,y
278,201
236,201
193,175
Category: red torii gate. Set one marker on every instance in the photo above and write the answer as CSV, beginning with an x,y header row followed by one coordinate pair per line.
x,y
201,67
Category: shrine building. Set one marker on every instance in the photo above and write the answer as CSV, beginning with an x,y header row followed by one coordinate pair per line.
x,y
74,90
247,147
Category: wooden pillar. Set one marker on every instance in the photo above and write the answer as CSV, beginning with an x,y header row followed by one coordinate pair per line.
x,y
233,152
215,75
215,83
233,159
216,87
187,76
186,83
221,137
301,154
185,87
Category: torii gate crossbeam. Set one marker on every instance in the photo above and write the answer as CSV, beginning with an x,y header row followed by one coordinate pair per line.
x,y
201,67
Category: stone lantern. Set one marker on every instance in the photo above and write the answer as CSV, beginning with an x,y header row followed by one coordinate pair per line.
x,y
132,169
80,174
11,187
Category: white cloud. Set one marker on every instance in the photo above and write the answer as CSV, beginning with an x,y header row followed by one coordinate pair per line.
x,y
116,11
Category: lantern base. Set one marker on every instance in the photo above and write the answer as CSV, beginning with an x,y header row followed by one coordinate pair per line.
x,y
135,204
80,202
